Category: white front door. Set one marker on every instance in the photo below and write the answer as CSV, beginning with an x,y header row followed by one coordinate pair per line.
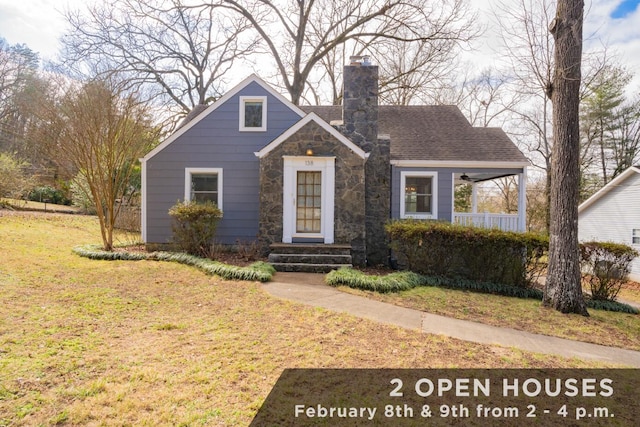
x,y
308,199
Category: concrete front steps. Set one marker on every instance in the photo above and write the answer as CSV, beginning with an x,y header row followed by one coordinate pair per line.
x,y
309,257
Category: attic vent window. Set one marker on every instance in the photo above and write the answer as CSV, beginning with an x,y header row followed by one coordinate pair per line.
x,y
253,114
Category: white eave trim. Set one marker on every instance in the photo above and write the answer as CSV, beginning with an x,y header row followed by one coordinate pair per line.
x,y
233,92
610,186
458,164
326,126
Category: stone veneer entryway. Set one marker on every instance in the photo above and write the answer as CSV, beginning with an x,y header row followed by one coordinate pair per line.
x,y
349,193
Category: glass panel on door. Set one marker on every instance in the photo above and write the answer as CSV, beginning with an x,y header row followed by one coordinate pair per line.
x,y
308,201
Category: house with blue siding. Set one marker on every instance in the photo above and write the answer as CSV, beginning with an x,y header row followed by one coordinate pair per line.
x,y
613,215
324,180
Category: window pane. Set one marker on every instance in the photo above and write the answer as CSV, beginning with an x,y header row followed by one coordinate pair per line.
x,y
418,195
253,114
309,196
204,187
207,182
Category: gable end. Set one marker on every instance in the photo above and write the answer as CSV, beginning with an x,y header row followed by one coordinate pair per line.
x,y
232,93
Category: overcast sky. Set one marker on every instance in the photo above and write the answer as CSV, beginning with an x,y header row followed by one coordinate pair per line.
x,y
39,24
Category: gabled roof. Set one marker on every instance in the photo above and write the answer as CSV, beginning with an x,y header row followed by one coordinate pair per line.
x,y
200,112
311,117
438,134
614,183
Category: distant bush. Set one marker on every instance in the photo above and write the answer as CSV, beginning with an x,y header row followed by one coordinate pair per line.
x,y
13,177
605,267
194,226
48,194
81,194
436,248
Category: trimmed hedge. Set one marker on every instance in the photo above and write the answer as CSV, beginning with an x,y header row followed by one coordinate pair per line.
x,y
436,248
258,271
396,282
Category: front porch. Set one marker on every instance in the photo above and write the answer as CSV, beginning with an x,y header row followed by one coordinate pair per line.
x,y
502,221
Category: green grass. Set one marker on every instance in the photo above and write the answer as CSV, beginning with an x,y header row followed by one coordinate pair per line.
x,y
95,342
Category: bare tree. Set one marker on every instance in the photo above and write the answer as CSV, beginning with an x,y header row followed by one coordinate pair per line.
x,y
180,52
529,50
413,71
18,70
299,35
563,289
99,131
486,98
24,87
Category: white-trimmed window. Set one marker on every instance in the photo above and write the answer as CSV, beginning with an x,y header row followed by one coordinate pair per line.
x,y
635,236
419,195
253,113
203,184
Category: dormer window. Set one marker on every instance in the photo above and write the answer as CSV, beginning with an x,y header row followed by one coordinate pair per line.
x,y
253,113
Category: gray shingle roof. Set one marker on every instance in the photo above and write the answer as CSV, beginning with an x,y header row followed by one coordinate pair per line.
x,y
435,133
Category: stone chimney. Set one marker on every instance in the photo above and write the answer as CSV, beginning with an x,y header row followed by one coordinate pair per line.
x,y
360,102
360,125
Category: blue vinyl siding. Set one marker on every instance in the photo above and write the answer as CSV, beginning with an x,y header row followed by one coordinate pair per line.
x,y
216,142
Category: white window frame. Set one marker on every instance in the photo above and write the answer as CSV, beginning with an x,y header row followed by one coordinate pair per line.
x,y
188,172
635,236
243,101
434,194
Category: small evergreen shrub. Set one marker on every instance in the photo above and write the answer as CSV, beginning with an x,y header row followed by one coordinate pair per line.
x,y
436,248
605,267
194,226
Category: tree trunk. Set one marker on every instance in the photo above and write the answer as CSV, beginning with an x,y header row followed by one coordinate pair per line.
x,y
563,290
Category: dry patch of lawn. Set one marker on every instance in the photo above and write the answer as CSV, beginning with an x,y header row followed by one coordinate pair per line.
x,y
87,342
630,292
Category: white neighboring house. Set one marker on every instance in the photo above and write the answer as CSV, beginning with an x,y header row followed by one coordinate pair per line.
x,y
613,214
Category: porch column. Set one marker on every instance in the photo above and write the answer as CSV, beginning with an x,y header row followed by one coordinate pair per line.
x,y
474,197
522,200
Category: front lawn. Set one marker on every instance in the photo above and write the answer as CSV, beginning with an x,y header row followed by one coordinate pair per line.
x,y
86,342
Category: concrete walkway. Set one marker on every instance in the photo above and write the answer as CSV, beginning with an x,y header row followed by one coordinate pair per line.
x,y
310,289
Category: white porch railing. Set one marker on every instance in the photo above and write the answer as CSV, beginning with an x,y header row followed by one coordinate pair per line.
x,y
504,222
